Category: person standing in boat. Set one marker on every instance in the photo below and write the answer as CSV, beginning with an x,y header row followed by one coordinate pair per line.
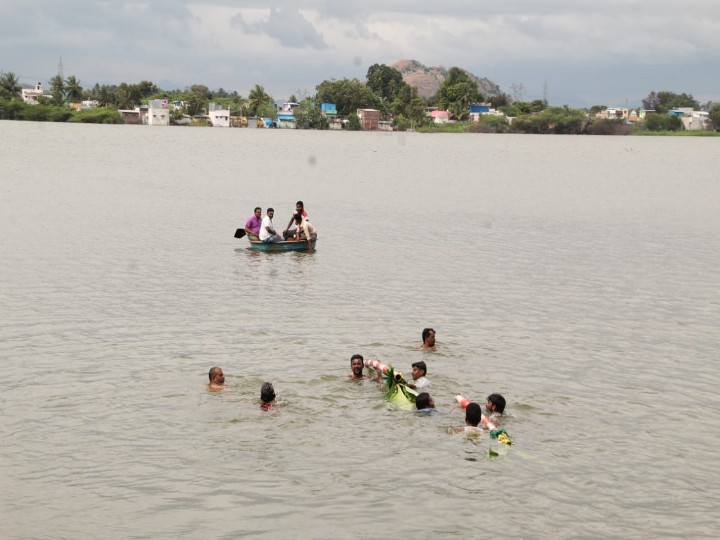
x,y
253,223
267,231
303,228
299,209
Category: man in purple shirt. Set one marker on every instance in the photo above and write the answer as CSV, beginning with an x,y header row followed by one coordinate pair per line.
x,y
252,225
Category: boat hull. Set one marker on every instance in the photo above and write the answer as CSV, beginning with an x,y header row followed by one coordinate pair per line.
x,y
292,245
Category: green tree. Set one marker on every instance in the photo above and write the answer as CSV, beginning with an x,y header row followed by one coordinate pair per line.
x,y
410,106
715,116
105,96
267,110
195,104
201,90
457,92
662,102
348,95
559,120
9,85
73,90
101,115
499,100
146,89
354,122
57,89
662,122
489,123
309,116
385,81
257,98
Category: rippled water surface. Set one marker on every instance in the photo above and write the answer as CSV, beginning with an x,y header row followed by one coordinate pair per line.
x,y
578,276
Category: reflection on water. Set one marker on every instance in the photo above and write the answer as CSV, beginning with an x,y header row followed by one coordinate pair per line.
x,y
571,275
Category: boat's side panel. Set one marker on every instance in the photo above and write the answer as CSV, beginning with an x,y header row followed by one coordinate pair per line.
x,y
280,246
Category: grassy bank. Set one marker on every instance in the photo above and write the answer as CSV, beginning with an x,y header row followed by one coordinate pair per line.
x,y
664,133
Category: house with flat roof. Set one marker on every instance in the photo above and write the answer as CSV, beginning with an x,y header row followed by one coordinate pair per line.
x,y
219,116
31,95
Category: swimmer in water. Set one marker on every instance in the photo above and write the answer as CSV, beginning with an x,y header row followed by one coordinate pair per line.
x,y
217,379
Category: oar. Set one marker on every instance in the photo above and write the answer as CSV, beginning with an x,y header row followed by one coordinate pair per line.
x,y
239,233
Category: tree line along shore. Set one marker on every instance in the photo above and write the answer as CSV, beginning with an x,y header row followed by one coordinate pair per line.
x,y
453,109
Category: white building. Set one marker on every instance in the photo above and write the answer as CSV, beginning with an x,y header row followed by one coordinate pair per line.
x,y
697,120
31,95
158,113
219,117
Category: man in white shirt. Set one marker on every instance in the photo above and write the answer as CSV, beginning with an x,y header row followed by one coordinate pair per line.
x,y
419,369
267,231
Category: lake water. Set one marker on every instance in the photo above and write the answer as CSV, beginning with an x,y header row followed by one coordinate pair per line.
x,y
578,276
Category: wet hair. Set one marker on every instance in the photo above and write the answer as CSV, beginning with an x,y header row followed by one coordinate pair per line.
x,y
212,372
354,356
421,365
422,401
498,401
473,414
270,210
257,208
267,393
426,333
297,218
301,204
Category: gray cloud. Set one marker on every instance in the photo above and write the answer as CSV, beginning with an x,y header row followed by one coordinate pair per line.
x,y
584,52
287,26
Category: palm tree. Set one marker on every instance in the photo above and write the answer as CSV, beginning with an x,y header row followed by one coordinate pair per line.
x,y
73,90
257,97
9,85
105,96
57,89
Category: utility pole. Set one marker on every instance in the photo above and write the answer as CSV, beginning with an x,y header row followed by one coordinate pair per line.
x,y
545,93
517,91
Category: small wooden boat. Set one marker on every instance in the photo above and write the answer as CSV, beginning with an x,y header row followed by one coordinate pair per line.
x,y
287,245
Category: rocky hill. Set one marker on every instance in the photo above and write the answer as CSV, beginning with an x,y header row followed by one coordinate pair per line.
x,y
428,79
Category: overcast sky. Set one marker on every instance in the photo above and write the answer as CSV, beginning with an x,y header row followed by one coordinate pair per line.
x,y
581,53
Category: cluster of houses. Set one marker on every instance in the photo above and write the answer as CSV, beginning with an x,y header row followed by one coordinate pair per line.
x,y
691,119
157,113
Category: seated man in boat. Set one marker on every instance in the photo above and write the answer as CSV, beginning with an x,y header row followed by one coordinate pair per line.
x,y
253,223
267,231
217,379
299,209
